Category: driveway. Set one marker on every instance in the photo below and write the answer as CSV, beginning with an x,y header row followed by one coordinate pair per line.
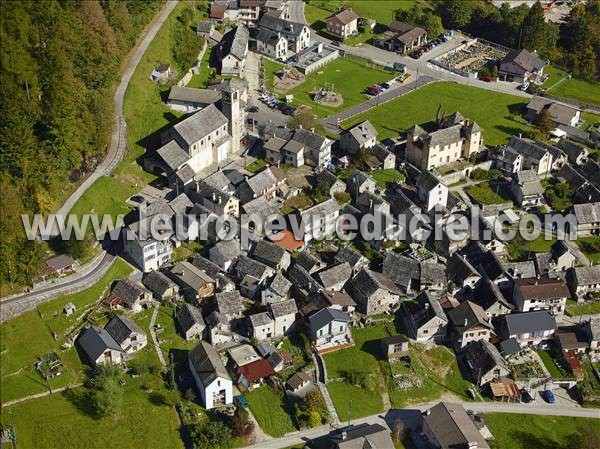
x,y
296,11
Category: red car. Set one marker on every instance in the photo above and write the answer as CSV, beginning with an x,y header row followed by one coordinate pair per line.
x,y
487,79
373,90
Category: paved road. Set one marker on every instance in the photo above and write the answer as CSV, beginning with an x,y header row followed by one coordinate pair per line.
x,y
17,304
331,122
411,416
296,10
118,141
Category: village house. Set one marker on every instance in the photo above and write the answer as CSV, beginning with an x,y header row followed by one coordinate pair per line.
x,y
231,52
189,99
531,294
394,347
162,288
461,274
271,254
331,183
528,329
190,322
402,270
252,374
401,37
194,284
455,138
261,326
277,290
353,436
359,182
230,304
447,426
380,156
146,253
527,189
355,260
343,24
506,159
297,147
562,257
484,361
468,322
359,137
284,317
431,191
535,154
588,218
592,331
98,347
207,31
560,114
217,201
576,154
210,375
297,35
339,300
329,328
432,276
128,335
584,280
424,319
335,277
264,183
298,382
224,253
374,292
522,66
320,221
129,295
245,266
57,265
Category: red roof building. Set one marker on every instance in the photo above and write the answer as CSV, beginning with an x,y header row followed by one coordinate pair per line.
x,y
253,373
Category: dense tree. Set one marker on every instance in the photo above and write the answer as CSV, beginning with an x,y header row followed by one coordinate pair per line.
x,y
456,13
60,63
544,121
108,393
537,34
211,435
187,44
433,25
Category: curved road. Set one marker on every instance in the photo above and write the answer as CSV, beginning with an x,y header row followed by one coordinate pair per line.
x,y
89,274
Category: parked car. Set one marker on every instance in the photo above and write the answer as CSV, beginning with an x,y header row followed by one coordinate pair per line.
x,y
253,109
385,85
400,67
526,397
549,396
415,55
524,87
382,87
336,43
373,90
487,79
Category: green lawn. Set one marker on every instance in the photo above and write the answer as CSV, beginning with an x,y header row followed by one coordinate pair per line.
x,y
66,420
552,365
270,69
590,247
364,402
268,407
519,248
30,335
336,76
201,79
496,113
578,89
256,166
518,431
485,194
386,176
588,307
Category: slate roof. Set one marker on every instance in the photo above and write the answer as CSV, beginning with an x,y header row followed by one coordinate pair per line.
x,y
265,348
127,291
216,196
572,149
268,253
433,273
235,42
157,282
452,427
207,266
543,288
587,275
302,279
280,285
190,275
229,303
193,95
334,275
219,180
173,155
188,316
228,249
297,380
523,323
483,357
523,269
509,347
307,261
283,308
468,315
261,181
424,309
207,363
322,209
559,112
260,319
347,254
587,213
366,283
120,328
281,25
526,59
325,316
247,266
60,262
527,148
93,341
427,181
363,132
400,269
459,269
200,124
362,436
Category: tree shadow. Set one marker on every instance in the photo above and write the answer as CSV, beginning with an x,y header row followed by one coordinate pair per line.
x,y
83,400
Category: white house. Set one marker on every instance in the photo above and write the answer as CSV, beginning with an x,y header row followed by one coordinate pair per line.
x,y
321,220
99,347
147,253
343,24
431,191
284,316
213,382
329,328
261,326
531,294
128,335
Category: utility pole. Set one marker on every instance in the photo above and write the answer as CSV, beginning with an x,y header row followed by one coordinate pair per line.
x,y
349,412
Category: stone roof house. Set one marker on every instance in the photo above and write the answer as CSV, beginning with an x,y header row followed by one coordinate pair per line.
x,y
374,292
190,322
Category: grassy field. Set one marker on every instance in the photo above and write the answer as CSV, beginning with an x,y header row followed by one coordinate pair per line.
x,y
485,194
517,431
43,330
552,365
270,68
335,74
200,80
67,420
364,402
590,247
519,248
496,113
589,307
578,89
386,176
269,409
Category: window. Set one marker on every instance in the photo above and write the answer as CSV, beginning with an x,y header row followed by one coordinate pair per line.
x,y
341,328
321,333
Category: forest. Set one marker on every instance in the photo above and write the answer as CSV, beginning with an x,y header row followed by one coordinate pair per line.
x,y
61,61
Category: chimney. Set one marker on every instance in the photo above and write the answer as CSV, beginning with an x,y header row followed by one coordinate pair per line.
x,y
344,435
214,197
466,322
